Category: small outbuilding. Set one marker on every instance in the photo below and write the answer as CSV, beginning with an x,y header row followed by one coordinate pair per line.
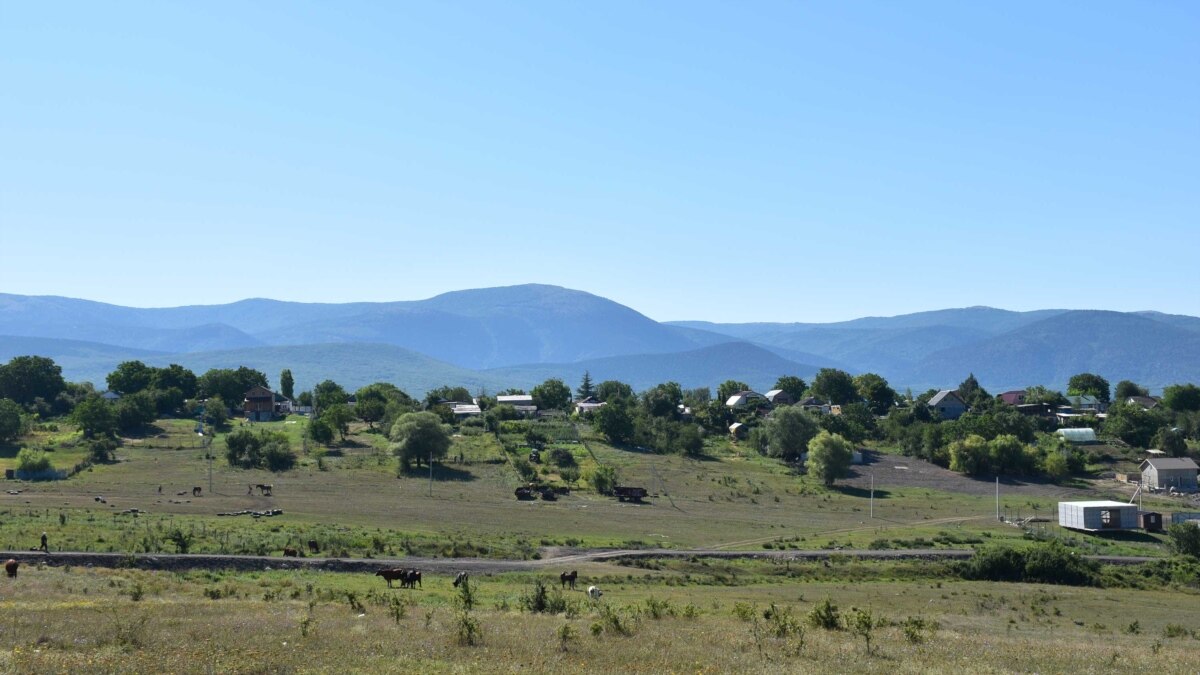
x,y
948,404
1098,516
1151,521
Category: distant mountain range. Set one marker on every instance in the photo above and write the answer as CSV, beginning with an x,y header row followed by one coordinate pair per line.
x,y
518,336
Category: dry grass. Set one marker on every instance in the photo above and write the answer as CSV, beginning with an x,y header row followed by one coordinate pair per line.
x,y
57,620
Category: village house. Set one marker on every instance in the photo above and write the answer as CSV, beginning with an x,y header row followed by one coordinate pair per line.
x,y
259,404
1015,397
814,404
779,397
948,404
1085,404
1169,472
589,404
745,398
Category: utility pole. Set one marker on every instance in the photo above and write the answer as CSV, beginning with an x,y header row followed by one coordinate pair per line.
x,y
997,497
872,495
431,472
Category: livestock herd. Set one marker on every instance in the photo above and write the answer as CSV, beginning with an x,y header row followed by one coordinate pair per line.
x,y
411,578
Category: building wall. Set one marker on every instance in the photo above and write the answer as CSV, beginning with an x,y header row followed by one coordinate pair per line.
x,y
1079,517
1183,479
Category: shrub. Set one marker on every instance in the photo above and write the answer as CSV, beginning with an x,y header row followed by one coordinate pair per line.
x,y
603,479
562,457
30,460
825,615
1048,563
1184,538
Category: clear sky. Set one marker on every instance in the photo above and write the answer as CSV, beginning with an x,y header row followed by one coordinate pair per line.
x,y
729,161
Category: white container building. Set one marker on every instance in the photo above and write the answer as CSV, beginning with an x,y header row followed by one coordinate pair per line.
x,y
1098,516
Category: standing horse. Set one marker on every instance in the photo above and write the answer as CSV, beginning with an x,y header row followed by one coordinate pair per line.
x,y
568,579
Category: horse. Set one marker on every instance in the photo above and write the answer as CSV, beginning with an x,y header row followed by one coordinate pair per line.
x,y
10,568
568,579
263,489
460,579
594,592
289,552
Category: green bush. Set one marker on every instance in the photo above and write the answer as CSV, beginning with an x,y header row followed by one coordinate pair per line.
x,y
1046,563
825,615
30,460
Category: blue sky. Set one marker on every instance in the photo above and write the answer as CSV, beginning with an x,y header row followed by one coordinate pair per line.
x,y
722,161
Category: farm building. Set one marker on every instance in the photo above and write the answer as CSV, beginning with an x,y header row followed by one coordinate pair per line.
x,y
514,399
259,404
1098,516
1081,435
1170,472
466,410
737,430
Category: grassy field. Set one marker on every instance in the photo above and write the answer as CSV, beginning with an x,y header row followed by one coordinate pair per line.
x,y
698,614
353,501
95,620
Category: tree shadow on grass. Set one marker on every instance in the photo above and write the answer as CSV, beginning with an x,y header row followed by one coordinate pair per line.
x,y
851,491
441,472
9,450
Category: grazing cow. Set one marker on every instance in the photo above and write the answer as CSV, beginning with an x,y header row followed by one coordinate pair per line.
x,y
313,546
10,568
395,574
289,552
196,491
594,592
413,578
460,579
568,579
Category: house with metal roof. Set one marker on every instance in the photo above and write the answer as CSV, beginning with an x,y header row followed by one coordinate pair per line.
x,y
1015,397
1170,472
779,397
744,398
1085,404
948,404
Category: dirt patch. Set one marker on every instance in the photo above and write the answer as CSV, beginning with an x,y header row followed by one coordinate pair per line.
x,y
895,471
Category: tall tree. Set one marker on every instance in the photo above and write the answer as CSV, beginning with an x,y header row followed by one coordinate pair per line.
x,y
586,390
792,385
27,378
730,387
10,420
1089,384
875,391
829,457
130,377
663,400
230,385
329,393
1182,397
418,436
552,395
789,430
1126,389
609,390
287,384
95,417
176,376
615,421
835,386
974,395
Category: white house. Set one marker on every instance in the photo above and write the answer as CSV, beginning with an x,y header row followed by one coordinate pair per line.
x,y
744,398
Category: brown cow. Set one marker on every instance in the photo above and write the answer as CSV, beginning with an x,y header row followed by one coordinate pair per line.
x,y
10,568
289,552
395,574
568,579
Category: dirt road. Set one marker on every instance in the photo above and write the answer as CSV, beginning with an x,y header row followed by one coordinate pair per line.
x,y
481,566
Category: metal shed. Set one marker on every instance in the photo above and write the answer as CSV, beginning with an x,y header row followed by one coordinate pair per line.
x,y
1098,516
